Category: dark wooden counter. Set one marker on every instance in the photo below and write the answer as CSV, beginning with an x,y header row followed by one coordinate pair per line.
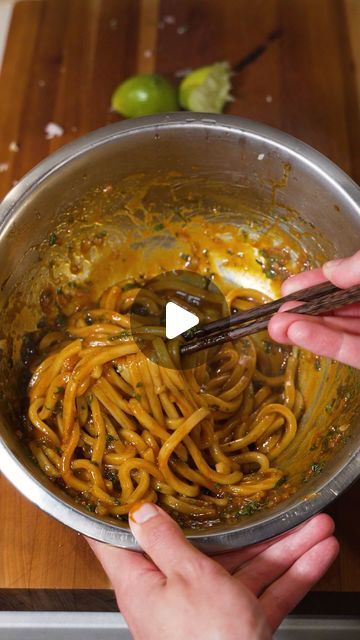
x,y
298,68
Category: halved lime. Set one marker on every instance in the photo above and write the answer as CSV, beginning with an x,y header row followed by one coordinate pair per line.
x,y
143,95
206,89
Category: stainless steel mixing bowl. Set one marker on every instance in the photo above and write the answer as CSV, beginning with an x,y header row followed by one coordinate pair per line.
x,y
234,162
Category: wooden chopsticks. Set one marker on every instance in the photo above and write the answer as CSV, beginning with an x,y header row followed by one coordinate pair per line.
x,y
319,299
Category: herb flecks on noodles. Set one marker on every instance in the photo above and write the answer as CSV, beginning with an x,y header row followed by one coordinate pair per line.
x,y
115,427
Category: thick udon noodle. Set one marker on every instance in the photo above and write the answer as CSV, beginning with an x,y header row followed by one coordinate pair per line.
x,y
116,427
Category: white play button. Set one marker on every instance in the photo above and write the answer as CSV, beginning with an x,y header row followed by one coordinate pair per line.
x,y
178,320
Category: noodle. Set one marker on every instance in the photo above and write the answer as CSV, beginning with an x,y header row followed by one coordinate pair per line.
x,y
116,427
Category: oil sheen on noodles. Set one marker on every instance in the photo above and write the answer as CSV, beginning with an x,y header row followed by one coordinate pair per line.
x,y
114,427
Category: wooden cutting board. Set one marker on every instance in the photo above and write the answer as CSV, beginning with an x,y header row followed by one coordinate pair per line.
x,y
298,68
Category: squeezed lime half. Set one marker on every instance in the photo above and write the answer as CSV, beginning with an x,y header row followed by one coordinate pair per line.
x,y
206,89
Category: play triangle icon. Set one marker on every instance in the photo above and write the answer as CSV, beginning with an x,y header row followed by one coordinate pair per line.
x,y
178,320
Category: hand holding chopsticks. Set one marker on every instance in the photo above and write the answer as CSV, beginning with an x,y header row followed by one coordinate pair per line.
x,y
318,299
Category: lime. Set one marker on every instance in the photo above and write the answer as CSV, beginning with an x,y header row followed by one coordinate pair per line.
x,y
206,89
143,95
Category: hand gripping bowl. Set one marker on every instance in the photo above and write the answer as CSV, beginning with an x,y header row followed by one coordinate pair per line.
x,y
227,169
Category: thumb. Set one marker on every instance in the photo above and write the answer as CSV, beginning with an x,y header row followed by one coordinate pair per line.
x,y
344,272
163,541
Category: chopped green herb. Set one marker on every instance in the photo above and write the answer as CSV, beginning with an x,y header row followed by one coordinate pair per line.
x,y
281,481
137,397
59,290
317,364
329,407
60,319
159,226
245,344
185,257
59,389
317,467
267,346
181,215
109,438
272,264
345,393
249,508
128,285
139,384
267,270
101,234
58,407
217,485
89,398
52,239
111,474
189,334
90,507
88,319
270,273
120,336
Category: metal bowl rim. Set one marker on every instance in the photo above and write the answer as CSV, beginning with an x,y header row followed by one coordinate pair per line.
x,y
248,128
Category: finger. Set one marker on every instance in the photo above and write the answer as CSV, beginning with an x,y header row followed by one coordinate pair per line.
x,y
302,281
342,323
269,565
232,560
280,323
324,341
344,272
163,541
126,570
331,339
349,310
284,594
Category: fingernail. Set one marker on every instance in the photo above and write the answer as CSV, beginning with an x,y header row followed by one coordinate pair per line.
x,y
143,512
332,264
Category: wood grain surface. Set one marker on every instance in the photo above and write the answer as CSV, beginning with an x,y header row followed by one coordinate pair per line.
x,y
297,67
